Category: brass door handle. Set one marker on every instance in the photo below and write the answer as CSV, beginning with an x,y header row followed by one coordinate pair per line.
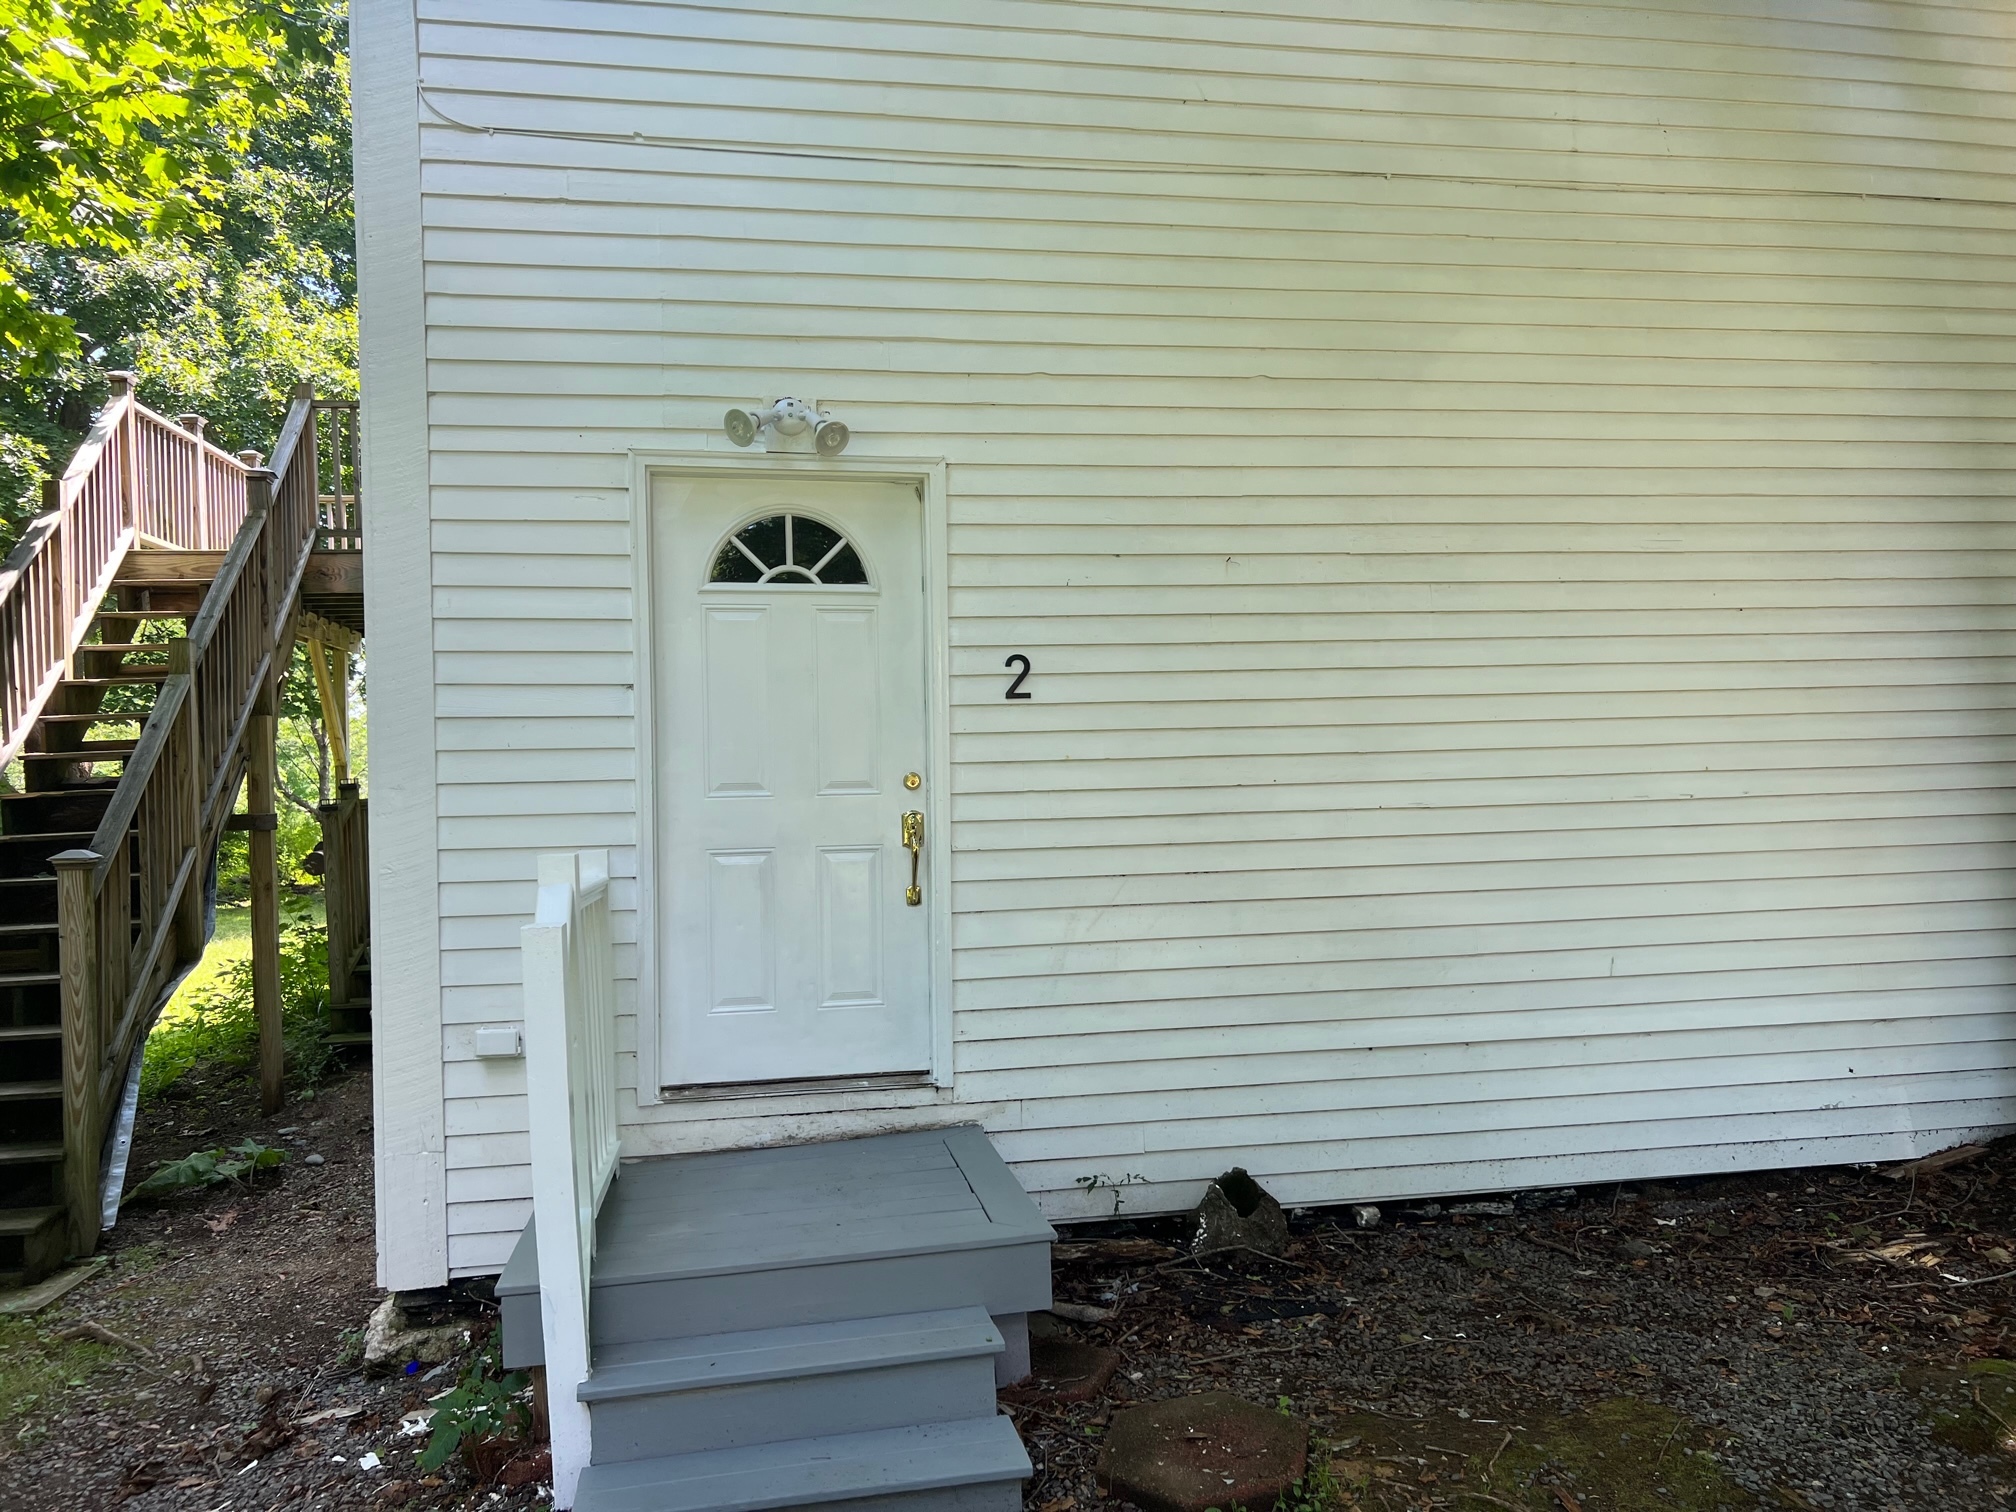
x,y
913,841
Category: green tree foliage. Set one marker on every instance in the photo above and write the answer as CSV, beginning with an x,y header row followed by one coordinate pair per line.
x,y
198,231
117,124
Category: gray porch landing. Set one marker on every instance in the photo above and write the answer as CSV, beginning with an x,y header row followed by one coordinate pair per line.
x,y
816,1325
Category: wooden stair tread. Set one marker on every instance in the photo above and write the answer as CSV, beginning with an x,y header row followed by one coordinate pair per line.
x,y
168,567
27,979
31,1152
17,1221
28,929
115,716
119,679
123,646
95,750
23,1032
346,1038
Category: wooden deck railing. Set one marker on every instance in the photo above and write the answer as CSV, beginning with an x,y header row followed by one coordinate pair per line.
x,y
339,449
137,477
570,1084
346,888
129,907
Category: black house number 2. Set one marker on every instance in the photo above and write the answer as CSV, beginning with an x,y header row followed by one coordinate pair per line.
x,y
1015,687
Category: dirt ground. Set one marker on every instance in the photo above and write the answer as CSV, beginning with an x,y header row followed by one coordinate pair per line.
x,y
1804,1339
1809,1339
248,1302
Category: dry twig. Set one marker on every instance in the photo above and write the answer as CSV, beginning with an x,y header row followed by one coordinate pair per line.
x,y
103,1335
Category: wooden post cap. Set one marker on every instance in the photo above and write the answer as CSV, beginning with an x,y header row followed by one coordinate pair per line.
x,y
192,423
251,458
122,380
76,858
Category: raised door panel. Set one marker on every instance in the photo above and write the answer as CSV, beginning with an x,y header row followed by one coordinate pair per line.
x,y
741,931
850,926
737,737
847,689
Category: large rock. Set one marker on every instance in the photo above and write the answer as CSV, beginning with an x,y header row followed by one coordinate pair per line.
x,y
1199,1452
392,1345
1238,1213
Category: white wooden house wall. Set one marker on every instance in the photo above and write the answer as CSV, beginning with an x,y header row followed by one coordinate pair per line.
x,y
1508,504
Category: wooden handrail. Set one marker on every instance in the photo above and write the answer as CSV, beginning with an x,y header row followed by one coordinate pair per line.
x,y
137,475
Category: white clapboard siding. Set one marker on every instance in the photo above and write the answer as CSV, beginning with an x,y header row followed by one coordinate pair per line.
x,y
1508,504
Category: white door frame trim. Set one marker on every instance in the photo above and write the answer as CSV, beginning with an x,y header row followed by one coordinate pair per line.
x,y
927,476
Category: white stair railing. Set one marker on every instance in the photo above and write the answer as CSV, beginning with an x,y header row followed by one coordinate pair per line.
x,y
570,1081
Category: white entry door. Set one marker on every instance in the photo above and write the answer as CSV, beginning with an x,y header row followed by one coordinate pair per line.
x,y
790,714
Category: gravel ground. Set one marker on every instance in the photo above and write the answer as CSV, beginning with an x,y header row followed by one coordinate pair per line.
x,y
246,1301
1788,1340
1811,1339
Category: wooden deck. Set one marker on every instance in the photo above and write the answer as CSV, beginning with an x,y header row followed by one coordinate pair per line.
x,y
761,1317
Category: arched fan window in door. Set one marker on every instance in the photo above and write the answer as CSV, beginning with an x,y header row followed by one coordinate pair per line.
x,y
787,549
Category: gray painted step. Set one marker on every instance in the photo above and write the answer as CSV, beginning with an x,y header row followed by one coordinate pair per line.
x,y
720,1391
973,1466
757,1239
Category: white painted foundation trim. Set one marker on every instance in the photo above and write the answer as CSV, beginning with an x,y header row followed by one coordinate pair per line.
x,y
570,1083
928,476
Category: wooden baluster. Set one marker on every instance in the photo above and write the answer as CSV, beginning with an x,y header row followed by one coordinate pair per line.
x,y
61,548
186,740
83,1046
123,382
201,483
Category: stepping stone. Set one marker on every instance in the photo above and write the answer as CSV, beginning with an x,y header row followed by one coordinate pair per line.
x,y
1199,1452
1063,1369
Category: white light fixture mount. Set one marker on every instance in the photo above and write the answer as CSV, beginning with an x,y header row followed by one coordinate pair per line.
x,y
788,425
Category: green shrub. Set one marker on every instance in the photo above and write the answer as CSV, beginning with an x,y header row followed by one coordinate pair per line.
x,y
223,1029
485,1404
203,1168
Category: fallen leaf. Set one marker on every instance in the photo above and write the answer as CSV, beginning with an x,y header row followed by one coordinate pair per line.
x,y
221,1221
1568,1503
327,1415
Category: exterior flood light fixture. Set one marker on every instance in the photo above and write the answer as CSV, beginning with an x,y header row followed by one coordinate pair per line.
x,y
788,418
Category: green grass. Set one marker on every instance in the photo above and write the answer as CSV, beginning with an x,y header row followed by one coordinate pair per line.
x,y
1638,1456
231,942
36,1368
209,1019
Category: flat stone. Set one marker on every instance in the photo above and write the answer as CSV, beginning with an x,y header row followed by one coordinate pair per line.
x,y
1063,1369
1199,1452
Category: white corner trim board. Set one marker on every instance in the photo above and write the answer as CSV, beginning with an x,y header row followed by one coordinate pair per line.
x,y
409,1100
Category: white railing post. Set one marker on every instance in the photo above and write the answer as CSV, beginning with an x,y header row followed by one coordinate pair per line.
x,y
570,1085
